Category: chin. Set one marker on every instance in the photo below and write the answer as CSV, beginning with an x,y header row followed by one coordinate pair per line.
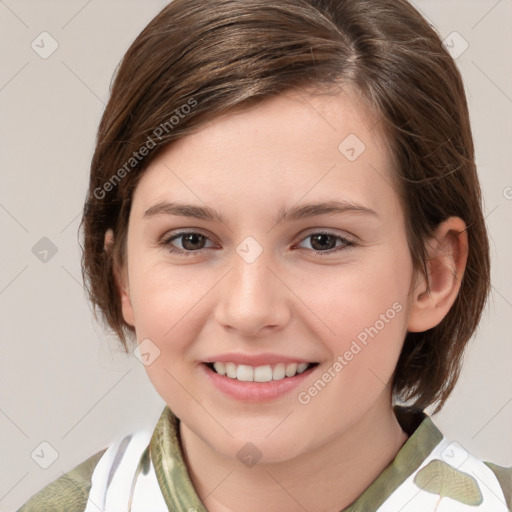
x,y
262,449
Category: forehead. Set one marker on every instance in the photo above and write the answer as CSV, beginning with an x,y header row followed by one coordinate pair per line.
x,y
292,146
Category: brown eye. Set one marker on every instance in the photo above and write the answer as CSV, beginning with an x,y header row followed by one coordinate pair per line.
x,y
193,241
327,243
190,242
323,242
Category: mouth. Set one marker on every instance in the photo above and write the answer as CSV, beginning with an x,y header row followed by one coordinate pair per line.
x,y
259,374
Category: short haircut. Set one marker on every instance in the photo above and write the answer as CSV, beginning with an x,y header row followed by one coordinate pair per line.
x,y
197,60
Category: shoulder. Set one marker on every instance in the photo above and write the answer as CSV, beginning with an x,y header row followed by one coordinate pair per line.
x,y
438,469
504,477
86,485
69,492
450,472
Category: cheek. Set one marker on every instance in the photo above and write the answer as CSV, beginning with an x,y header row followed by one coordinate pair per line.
x,y
365,308
369,320
163,302
348,299
169,307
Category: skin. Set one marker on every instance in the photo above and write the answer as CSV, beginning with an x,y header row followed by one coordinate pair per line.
x,y
291,300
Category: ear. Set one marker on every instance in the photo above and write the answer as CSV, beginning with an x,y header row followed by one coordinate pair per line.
x,y
121,279
447,256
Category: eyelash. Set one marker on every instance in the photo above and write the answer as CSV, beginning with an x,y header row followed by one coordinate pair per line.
x,y
166,243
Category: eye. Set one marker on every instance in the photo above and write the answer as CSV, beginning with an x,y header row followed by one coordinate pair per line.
x,y
190,241
327,243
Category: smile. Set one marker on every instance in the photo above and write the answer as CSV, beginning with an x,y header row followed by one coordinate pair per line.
x,y
265,373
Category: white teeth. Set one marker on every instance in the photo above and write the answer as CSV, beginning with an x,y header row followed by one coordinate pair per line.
x,y
262,374
278,372
291,369
220,368
246,373
302,367
230,370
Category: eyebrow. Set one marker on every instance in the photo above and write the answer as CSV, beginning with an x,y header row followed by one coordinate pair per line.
x,y
324,208
293,214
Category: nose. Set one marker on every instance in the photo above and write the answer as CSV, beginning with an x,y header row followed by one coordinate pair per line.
x,y
252,299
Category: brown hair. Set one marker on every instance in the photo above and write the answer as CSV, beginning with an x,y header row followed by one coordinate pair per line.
x,y
196,61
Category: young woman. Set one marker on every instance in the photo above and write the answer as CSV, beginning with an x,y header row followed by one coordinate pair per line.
x,y
284,218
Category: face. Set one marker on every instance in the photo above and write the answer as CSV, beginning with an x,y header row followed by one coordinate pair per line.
x,y
291,254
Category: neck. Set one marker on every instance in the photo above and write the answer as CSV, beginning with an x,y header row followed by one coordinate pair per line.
x,y
325,480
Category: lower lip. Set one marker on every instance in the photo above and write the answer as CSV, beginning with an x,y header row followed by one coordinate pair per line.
x,y
255,391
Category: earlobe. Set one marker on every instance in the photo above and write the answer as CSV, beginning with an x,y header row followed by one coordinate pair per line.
x,y
447,256
108,242
127,308
121,279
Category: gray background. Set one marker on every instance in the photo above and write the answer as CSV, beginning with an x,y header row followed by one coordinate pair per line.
x,y
64,381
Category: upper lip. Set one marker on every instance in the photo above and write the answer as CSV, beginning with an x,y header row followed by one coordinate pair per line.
x,y
255,359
